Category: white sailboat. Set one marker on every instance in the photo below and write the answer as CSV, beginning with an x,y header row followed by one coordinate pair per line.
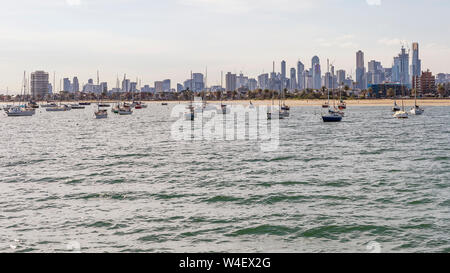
x,y
22,110
401,114
416,110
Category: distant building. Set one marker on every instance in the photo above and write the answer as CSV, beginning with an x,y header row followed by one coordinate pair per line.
x,y
75,85
104,87
263,81
126,85
340,77
293,79
416,65
300,76
179,87
425,84
400,69
159,87
230,80
39,84
252,84
166,85
360,71
198,82
381,90
316,73
67,87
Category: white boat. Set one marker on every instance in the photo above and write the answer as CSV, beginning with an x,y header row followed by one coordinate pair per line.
x,y
76,106
101,114
49,105
20,112
401,115
60,108
125,111
416,110
396,107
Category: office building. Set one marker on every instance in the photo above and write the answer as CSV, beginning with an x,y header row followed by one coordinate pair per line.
x,y
39,84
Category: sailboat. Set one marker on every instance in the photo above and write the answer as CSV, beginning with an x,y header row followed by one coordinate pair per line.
x,y
401,114
59,108
332,115
21,110
100,113
190,115
416,110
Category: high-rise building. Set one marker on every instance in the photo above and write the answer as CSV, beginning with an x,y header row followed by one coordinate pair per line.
x,y
252,84
425,83
104,87
316,73
375,73
39,84
198,83
340,77
75,85
263,81
400,69
166,85
283,74
159,87
360,71
126,85
230,80
416,62
67,86
179,87
293,79
300,76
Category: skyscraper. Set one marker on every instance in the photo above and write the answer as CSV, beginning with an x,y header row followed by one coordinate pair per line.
x,y
400,69
166,85
340,77
293,79
416,66
360,71
263,81
39,84
75,85
198,82
283,74
300,76
230,80
66,85
316,73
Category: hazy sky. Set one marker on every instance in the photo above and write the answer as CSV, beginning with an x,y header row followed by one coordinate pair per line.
x,y
155,40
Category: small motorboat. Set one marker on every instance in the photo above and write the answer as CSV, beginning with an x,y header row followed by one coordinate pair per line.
x,y
126,110
164,103
85,103
101,114
285,107
104,105
325,105
18,111
77,106
61,108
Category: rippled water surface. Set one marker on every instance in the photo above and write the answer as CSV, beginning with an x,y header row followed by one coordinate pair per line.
x,y
123,185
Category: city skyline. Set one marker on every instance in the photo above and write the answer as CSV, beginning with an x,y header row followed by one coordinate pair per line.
x,y
150,43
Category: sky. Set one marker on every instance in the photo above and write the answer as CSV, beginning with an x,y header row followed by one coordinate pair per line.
x,y
157,40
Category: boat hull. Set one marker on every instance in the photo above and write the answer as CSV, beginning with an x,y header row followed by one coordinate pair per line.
x,y
331,118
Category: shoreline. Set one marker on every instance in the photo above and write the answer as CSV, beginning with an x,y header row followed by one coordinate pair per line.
x,y
291,102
